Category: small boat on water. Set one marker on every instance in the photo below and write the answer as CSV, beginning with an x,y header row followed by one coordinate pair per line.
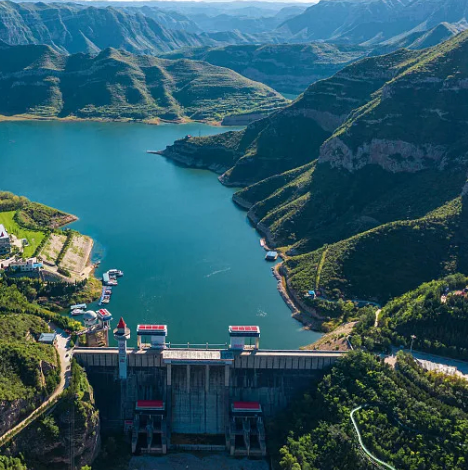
x,y
77,311
115,272
271,256
78,306
262,242
109,280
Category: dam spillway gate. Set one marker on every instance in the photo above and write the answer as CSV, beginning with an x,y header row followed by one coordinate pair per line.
x,y
197,399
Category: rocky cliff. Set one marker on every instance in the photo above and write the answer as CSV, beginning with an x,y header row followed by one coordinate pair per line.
x,y
69,436
293,136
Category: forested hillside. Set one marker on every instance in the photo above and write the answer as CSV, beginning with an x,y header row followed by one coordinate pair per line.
x,y
436,313
409,419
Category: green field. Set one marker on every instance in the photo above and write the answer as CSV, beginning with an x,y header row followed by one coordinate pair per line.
x,y
34,238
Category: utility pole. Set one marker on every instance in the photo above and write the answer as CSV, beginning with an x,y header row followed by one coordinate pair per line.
x,y
413,337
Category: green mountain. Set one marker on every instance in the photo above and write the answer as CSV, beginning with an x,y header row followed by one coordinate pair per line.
x,y
293,136
436,313
361,180
407,418
289,68
38,81
71,28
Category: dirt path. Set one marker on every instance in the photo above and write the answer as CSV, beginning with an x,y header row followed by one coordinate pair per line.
x,y
336,340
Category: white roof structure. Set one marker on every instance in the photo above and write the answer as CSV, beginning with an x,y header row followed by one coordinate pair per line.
x,y
47,338
3,232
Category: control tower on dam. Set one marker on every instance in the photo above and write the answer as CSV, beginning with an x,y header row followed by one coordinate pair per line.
x,y
198,398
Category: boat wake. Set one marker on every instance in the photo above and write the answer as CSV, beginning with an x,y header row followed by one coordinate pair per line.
x,y
218,272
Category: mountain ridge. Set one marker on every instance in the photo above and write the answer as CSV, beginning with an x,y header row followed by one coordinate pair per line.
x,y
39,81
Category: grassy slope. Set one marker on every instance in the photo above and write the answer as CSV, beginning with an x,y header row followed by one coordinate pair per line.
x,y
388,260
119,85
417,220
34,237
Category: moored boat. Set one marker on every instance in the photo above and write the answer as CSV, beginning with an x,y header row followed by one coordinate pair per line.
x,y
78,306
271,256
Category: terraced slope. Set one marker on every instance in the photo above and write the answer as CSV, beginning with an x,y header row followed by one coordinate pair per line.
x,y
289,68
38,81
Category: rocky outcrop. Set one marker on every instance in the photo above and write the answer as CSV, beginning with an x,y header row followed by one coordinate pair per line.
x,y
12,412
392,155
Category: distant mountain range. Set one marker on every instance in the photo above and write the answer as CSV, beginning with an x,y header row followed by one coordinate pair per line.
x,y
269,43
363,179
373,22
70,28
39,81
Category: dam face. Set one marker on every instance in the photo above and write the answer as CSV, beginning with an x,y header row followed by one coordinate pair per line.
x,y
198,399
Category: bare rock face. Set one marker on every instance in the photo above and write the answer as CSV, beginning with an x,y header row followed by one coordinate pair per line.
x,y
394,156
67,436
11,412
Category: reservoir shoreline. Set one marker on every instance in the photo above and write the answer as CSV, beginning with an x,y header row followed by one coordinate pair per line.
x,y
196,249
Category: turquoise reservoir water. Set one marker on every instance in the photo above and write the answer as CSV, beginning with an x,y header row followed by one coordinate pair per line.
x,y
190,257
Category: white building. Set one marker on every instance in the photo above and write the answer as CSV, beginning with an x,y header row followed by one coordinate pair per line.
x,y
5,245
31,264
48,338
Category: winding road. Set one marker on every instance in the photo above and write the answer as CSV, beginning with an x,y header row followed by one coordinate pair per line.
x,y
363,447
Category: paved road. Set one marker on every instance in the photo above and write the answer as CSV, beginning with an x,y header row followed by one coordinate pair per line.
x,y
440,363
65,374
375,460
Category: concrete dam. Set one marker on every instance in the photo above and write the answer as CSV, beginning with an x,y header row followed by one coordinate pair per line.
x,y
196,398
